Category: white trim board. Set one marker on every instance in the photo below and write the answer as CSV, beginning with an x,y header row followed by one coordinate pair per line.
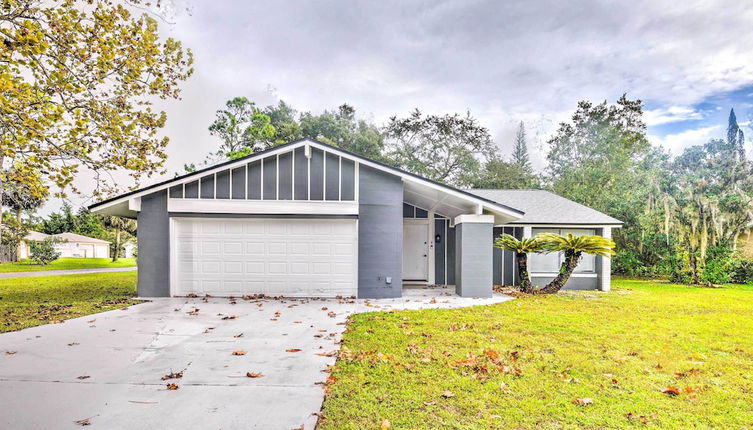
x,y
272,207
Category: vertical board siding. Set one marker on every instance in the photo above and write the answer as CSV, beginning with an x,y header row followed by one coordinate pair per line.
x,y
439,247
269,174
451,256
223,185
285,176
301,175
285,171
317,174
239,183
206,187
333,177
254,180
347,180
176,192
192,190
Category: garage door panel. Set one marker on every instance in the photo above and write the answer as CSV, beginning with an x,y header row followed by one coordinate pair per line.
x,y
269,256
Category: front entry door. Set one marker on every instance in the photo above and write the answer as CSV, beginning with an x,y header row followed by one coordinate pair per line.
x,y
415,250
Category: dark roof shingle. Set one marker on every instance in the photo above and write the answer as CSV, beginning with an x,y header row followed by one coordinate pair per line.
x,y
543,207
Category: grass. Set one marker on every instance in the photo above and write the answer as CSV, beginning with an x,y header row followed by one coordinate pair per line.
x,y
440,369
32,301
67,263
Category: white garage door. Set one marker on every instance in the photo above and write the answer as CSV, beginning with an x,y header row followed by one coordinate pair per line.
x,y
276,257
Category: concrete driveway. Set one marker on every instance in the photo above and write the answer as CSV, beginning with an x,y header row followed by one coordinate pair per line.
x,y
107,367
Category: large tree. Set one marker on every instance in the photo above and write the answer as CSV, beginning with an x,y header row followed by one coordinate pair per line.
x,y
445,148
602,159
341,128
242,127
500,174
77,80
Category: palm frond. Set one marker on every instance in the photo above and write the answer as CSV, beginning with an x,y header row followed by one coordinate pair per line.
x,y
521,246
589,244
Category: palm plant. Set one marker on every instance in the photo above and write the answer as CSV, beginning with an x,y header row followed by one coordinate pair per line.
x,y
573,247
521,247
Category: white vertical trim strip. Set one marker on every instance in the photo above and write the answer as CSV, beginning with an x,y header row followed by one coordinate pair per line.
x,y
324,175
356,179
261,179
230,193
340,176
215,185
446,242
292,175
308,171
245,186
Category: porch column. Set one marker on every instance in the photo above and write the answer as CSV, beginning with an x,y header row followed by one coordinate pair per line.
x,y
604,268
473,255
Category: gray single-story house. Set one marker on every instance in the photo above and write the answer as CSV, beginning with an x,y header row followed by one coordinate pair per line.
x,y
307,219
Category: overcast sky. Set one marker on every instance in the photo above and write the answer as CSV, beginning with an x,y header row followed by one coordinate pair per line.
x,y
689,61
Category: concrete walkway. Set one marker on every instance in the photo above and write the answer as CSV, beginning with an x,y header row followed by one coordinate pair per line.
x,y
6,275
108,367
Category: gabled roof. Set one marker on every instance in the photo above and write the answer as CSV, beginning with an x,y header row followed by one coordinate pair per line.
x,y
415,186
545,208
73,237
36,236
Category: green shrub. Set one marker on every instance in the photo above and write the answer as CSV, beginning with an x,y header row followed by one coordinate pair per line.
x,y
44,252
742,270
719,265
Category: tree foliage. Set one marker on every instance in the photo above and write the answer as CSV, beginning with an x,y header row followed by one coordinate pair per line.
x,y
499,174
521,248
446,148
242,127
76,82
520,149
44,252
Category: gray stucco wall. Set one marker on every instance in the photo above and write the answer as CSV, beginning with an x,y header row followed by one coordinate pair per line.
x,y
154,246
574,283
380,234
473,259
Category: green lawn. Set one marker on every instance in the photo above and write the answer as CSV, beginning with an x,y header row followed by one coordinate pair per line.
x,y
27,302
523,364
67,263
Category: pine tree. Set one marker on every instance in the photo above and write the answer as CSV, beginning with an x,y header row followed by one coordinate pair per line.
x,y
520,151
735,136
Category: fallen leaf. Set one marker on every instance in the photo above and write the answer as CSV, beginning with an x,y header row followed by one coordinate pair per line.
x,y
238,335
671,391
84,422
447,394
10,352
173,375
171,386
327,354
254,375
385,425
73,344
331,314
230,317
585,401
293,350
195,311
241,352
83,377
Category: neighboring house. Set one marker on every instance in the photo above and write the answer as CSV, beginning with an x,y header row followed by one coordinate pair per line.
x,y
129,249
73,245
308,219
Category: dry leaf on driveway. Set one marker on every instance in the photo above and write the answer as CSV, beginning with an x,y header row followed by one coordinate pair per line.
x,y
254,375
230,317
172,387
83,377
327,354
240,352
293,350
195,311
173,375
10,352
84,422
238,335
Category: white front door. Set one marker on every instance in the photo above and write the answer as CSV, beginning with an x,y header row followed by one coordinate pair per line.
x,y
416,249
276,257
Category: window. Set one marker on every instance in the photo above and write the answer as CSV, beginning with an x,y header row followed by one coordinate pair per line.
x,y
552,262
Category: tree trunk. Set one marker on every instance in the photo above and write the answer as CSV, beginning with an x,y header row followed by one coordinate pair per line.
x,y
117,245
693,263
525,278
572,259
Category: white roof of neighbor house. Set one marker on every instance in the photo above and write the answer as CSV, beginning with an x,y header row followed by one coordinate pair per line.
x,y
542,207
73,237
36,236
